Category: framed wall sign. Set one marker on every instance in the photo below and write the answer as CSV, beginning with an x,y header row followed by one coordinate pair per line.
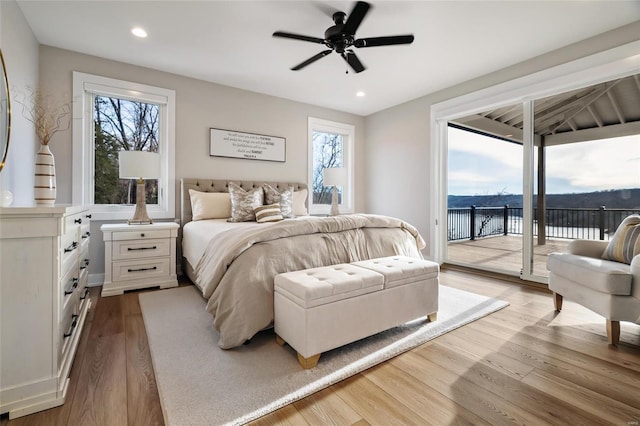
x,y
250,146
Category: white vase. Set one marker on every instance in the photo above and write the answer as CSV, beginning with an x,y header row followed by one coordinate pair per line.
x,y
45,183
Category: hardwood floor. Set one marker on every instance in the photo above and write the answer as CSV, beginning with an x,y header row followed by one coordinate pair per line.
x,y
524,364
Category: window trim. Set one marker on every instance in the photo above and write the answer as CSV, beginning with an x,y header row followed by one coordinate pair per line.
x,y
85,86
349,133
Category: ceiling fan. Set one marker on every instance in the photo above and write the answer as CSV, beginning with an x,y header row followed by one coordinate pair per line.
x,y
341,37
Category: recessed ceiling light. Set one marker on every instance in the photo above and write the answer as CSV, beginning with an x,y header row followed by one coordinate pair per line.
x,y
138,32
360,94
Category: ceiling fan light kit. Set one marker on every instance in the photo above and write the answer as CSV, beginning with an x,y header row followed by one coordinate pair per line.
x,y
341,37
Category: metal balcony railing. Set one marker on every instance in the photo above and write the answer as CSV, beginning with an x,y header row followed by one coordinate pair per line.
x,y
474,222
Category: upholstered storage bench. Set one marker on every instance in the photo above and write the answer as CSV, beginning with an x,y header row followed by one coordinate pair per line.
x,y
319,309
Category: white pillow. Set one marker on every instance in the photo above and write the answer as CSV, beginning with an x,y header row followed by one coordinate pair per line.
x,y
210,205
299,200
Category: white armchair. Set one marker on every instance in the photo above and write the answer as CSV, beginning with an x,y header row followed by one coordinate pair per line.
x,y
611,289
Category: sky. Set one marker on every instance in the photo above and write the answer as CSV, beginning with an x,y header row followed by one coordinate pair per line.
x,y
481,165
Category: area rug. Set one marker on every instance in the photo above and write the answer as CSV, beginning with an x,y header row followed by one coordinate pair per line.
x,y
201,384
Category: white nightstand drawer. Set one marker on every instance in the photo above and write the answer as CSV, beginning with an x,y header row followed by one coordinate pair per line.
x,y
140,235
140,249
139,269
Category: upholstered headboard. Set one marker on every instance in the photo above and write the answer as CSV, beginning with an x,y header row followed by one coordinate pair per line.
x,y
219,185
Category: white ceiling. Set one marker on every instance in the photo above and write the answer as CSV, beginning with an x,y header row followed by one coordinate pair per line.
x,y
230,42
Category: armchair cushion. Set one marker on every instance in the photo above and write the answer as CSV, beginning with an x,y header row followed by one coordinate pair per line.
x,y
625,243
598,274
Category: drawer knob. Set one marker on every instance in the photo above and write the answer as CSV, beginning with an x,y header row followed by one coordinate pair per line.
x,y
86,234
73,325
88,216
73,287
72,247
142,234
86,293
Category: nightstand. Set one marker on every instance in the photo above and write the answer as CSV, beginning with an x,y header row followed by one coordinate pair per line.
x,y
139,256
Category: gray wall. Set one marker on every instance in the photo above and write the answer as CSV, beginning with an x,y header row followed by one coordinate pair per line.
x,y
399,138
20,51
199,106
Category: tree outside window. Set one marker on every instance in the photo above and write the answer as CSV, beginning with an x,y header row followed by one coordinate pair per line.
x,y
327,153
122,125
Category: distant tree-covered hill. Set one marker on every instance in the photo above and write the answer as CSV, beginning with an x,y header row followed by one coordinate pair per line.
x,y
613,199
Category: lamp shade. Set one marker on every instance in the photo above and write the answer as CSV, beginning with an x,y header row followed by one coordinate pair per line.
x,y
334,176
139,165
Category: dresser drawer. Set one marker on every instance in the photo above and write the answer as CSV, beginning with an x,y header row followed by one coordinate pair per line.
x,y
85,234
140,235
69,285
69,263
139,269
69,244
73,221
68,325
138,249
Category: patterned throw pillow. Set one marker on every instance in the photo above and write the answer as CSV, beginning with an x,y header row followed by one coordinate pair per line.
x,y
243,202
268,213
625,243
284,198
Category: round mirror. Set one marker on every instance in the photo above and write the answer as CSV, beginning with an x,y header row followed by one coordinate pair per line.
x,y
5,114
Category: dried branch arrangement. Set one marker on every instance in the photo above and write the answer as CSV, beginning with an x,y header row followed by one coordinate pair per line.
x,y
49,114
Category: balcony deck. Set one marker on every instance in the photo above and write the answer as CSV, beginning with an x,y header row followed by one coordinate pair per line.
x,y
503,252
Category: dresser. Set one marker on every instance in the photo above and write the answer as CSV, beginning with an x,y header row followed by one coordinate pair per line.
x,y
44,255
139,256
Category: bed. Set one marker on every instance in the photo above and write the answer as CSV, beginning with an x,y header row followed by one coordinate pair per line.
x,y
234,264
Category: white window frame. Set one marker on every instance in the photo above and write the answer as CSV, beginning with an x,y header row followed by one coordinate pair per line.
x,y
348,132
85,88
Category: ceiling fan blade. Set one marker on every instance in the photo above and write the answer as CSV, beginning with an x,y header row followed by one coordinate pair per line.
x,y
383,41
298,37
311,60
353,61
355,17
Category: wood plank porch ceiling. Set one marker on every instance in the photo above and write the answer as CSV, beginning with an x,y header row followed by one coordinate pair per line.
x,y
605,110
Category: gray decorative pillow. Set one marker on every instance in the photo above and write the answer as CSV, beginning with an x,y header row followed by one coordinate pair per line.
x,y
243,202
284,198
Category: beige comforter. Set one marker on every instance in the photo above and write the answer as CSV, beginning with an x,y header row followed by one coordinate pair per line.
x,y
237,270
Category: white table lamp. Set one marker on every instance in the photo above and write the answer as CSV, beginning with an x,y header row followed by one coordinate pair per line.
x,y
139,165
334,176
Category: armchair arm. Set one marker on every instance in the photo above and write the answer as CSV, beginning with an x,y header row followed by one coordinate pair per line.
x,y
635,281
589,248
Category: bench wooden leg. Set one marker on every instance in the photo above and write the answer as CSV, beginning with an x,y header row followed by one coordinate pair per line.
x,y
613,332
310,362
557,301
433,316
280,341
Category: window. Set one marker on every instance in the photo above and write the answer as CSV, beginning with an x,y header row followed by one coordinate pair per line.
x,y
113,115
330,145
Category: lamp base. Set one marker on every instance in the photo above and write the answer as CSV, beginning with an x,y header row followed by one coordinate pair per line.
x,y
334,202
140,216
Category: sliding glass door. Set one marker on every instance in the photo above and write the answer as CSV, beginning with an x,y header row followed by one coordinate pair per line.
x,y
524,180
484,199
